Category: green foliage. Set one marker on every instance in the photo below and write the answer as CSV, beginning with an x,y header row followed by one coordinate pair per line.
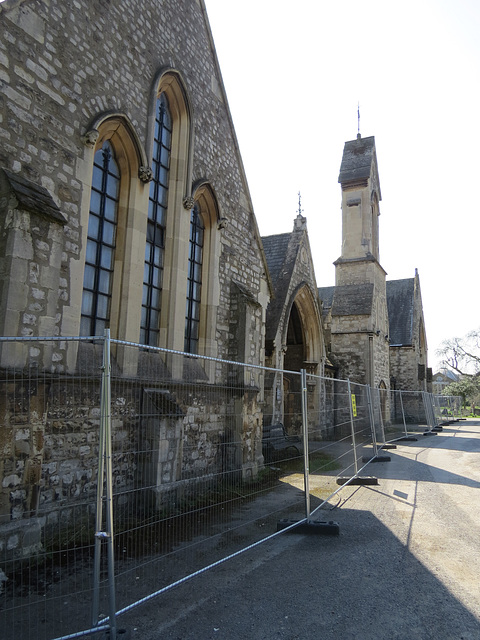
x,y
467,387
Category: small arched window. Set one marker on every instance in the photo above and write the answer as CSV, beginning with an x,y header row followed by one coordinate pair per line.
x,y
156,225
194,281
101,237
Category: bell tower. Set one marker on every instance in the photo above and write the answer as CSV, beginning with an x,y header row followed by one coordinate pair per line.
x,y
360,204
359,307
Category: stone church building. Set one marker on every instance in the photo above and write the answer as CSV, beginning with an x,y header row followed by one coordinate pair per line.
x,y
124,204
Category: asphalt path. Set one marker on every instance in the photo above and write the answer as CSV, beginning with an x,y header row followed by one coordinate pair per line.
x,y
406,565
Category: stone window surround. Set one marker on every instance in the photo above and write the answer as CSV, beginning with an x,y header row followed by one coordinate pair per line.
x,y
134,167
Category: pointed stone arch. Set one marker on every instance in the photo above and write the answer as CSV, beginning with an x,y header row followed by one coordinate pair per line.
x,y
170,81
118,130
303,349
206,199
384,402
104,126
304,303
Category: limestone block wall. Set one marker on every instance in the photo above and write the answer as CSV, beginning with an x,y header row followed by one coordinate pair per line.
x,y
351,354
49,445
64,64
404,367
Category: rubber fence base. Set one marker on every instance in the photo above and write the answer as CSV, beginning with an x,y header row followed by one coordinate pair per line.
x,y
360,480
315,527
376,459
120,634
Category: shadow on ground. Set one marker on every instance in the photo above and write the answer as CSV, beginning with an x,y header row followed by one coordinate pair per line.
x,y
361,585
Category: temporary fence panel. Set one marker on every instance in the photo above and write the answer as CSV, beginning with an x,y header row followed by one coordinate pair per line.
x,y
447,408
415,412
380,399
127,470
49,458
188,452
340,434
396,428
192,436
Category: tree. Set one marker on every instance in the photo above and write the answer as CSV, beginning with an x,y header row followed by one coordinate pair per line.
x,y
463,356
468,387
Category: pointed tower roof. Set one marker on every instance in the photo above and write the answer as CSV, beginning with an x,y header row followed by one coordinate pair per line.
x,y
359,161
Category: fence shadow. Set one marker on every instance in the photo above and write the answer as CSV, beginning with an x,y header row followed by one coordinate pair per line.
x,y
363,584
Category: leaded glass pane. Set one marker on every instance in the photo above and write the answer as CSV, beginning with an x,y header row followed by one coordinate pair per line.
x,y
97,176
153,318
110,210
102,306
100,247
156,277
194,283
85,327
89,277
155,301
104,282
109,233
163,176
158,198
112,187
87,303
146,272
100,326
165,156
91,253
106,259
95,201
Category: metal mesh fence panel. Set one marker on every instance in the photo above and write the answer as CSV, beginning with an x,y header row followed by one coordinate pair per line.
x,y
447,408
200,451
339,434
50,411
380,399
126,470
414,412
396,426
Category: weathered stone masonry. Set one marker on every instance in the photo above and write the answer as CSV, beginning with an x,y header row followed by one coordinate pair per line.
x,y
68,73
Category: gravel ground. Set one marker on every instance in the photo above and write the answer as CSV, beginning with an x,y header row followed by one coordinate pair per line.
x,y
406,564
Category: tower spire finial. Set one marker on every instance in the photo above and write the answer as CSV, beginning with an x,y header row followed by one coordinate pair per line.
x,y
300,223
300,210
359,135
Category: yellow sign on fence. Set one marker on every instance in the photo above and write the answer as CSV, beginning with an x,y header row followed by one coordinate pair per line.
x,y
354,405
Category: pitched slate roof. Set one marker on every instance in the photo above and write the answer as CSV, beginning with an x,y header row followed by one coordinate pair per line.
x,y
30,196
357,159
281,256
275,248
400,300
326,296
353,300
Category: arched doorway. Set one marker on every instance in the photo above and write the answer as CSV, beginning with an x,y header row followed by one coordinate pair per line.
x,y
384,404
293,361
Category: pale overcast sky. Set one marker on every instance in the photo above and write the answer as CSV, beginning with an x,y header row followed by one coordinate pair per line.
x,y
294,73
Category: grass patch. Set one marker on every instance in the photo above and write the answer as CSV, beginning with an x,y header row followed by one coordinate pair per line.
x,y
319,462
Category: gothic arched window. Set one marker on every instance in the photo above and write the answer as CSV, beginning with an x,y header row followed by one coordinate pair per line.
x,y
156,225
194,281
100,250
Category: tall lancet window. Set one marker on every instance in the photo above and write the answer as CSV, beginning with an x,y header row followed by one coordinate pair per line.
x,y
157,213
194,282
102,227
